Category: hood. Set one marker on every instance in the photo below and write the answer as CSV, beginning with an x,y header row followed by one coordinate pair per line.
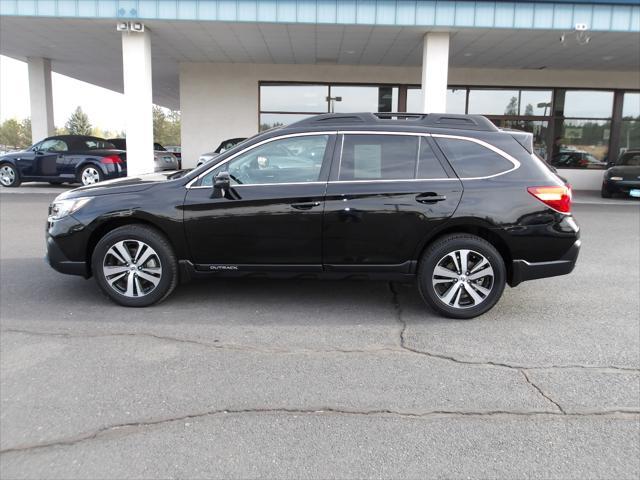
x,y
120,185
628,172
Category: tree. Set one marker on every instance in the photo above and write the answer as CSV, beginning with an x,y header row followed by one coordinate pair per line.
x,y
10,133
528,110
78,123
25,133
512,107
166,126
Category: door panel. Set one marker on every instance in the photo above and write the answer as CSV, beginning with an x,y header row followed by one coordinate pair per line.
x,y
256,225
272,212
382,223
385,195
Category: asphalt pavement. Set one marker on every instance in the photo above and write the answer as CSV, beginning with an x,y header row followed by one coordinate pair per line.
x,y
320,379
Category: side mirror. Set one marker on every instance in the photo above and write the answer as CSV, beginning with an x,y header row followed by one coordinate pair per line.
x,y
221,183
610,164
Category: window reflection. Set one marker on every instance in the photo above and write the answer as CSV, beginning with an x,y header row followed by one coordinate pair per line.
x,y
456,100
345,99
535,102
294,98
539,129
271,120
581,144
494,102
585,104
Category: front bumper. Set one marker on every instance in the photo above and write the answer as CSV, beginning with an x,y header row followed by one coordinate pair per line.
x,y
620,186
521,270
59,261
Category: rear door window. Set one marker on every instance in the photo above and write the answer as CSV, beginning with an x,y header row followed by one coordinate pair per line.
x,y
470,159
378,157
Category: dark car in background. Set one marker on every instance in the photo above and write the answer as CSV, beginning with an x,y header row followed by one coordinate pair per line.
x,y
447,201
64,159
623,176
162,159
576,159
223,147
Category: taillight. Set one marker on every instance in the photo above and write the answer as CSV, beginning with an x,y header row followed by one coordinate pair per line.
x,y
557,197
111,159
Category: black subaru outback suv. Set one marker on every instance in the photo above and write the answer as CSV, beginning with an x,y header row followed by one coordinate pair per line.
x,y
449,201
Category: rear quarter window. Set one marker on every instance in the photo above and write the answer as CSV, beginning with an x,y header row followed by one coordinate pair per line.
x,y
470,159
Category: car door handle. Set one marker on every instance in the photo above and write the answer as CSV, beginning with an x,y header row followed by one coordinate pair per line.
x,y
305,206
430,197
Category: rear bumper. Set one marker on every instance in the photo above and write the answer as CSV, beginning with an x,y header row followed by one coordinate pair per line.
x,y
58,260
521,270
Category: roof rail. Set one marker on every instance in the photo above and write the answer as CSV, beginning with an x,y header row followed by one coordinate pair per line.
x,y
436,120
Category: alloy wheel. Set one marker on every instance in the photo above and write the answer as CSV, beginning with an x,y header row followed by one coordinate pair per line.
x,y
90,176
463,279
132,268
7,175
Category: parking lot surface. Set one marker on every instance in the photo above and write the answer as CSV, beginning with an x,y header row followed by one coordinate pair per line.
x,y
319,379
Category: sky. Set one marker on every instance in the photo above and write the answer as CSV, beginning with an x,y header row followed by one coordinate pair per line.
x,y
101,105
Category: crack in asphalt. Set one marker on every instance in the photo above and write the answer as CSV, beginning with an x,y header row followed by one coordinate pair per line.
x,y
522,370
400,348
103,431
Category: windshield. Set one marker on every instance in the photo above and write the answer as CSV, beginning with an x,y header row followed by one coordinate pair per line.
x,y
631,159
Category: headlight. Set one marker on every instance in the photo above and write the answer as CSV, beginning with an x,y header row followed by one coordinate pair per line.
x,y
62,208
615,179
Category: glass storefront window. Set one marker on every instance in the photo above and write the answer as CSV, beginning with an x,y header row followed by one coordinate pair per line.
x,y
539,129
535,103
294,98
363,99
630,128
493,102
581,144
271,120
631,106
456,100
586,104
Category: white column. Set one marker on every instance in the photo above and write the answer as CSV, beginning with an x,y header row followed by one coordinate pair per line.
x,y
41,98
435,70
136,67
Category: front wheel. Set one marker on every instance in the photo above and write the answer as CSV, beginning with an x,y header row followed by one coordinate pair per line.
x,y
604,192
135,266
461,276
90,175
9,176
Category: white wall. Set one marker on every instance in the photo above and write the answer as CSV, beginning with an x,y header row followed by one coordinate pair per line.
x,y
220,101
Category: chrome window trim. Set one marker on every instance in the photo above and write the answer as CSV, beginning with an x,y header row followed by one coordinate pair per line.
x,y
503,154
248,149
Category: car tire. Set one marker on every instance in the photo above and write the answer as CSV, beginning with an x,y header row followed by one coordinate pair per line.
x,y
90,175
456,292
605,193
9,176
131,274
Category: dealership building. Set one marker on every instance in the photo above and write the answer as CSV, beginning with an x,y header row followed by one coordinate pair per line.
x,y
567,71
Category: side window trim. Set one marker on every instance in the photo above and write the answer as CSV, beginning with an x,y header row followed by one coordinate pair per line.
x,y
422,138
503,154
196,182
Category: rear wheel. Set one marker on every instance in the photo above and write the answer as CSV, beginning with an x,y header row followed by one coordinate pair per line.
x,y
90,175
135,266
461,276
9,176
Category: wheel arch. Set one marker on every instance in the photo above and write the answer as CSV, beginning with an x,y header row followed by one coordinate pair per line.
x,y
85,162
111,224
479,229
